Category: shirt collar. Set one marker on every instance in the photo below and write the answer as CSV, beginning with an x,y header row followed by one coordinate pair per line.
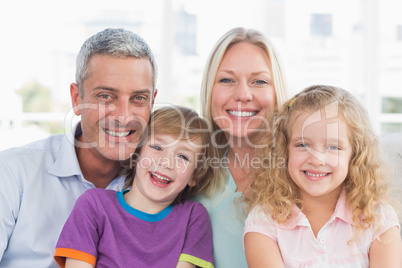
x,y
66,162
298,218
342,209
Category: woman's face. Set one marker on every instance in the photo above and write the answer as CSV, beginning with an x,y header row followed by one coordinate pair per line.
x,y
243,95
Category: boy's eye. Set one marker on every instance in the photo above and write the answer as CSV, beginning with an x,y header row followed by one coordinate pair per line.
x,y
184,157
156,147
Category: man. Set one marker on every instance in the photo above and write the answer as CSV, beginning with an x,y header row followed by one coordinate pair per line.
x,y
39,183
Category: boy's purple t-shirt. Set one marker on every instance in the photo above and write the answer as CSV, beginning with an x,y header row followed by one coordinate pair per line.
x,y
104,230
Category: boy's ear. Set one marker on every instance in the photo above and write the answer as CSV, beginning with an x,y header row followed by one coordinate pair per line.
x,y
192,182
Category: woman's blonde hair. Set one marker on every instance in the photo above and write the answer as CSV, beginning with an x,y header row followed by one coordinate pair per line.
x,y
229,39
365,185
184,124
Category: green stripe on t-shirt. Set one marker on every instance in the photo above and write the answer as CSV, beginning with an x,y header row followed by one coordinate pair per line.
x,y
196,261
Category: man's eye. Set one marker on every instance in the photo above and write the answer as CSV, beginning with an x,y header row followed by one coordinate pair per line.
x,y
156,147
104,96
140,98
184,157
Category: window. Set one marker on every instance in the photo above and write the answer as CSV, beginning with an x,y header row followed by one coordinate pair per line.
x,y
399,32
321,25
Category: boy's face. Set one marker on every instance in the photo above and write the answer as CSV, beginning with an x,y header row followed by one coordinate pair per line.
x,y
165,167
319,153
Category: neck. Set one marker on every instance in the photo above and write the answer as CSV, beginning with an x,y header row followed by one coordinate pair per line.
x,y
135,199
239,160
319,210
98,170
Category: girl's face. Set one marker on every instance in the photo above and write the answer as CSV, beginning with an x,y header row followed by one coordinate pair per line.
x,y
165,166
319,153
243,96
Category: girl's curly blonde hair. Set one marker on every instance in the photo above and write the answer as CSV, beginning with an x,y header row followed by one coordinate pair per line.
x,y
365,185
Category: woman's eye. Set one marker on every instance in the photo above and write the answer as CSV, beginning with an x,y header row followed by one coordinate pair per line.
x,y
226,80
156,147
261,82
184,157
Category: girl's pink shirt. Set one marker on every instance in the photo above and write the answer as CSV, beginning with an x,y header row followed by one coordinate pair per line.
x,y
300,248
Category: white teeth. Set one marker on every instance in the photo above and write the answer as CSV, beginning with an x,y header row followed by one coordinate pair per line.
x,y
241,114
160,177
315,175
117,134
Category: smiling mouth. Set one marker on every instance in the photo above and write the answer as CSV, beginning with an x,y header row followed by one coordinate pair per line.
x,y
241,113
118,133
160,179
316,174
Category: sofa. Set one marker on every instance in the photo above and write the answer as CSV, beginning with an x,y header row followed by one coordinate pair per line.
x,y
391,145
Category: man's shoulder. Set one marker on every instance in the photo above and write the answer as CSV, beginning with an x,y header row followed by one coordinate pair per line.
x,y
49,144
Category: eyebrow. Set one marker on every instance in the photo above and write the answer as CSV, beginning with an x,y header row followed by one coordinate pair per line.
x,y
330,140
111,89
253,73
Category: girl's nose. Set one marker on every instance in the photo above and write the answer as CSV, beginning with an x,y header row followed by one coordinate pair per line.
x,y
316,158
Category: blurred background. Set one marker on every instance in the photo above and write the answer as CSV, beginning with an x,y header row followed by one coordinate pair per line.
x,y
353,44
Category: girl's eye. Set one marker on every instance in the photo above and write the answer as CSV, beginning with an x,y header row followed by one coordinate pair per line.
x,y
184,157
156,147
226,80
302,145
334,147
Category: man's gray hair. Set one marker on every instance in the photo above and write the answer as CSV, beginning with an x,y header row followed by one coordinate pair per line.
x,y
115,43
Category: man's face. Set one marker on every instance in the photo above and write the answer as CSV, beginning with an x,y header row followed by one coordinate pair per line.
x,y
115,106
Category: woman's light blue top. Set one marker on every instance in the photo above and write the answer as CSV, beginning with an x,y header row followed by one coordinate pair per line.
x,y
227,221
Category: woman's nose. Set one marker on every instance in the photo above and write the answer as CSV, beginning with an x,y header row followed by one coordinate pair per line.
x,y
243,93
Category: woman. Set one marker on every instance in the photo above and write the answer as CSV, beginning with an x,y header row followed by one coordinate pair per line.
x,y
242,85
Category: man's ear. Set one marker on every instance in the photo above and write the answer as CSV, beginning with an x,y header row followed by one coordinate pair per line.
x,y
75,98
155,93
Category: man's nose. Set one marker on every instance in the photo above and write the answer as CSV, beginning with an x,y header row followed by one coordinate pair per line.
x,y
121,110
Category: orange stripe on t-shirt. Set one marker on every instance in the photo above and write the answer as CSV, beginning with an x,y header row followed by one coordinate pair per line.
x,y
62,253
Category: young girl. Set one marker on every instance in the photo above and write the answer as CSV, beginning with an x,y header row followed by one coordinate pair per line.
x,y
150,225
322,201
